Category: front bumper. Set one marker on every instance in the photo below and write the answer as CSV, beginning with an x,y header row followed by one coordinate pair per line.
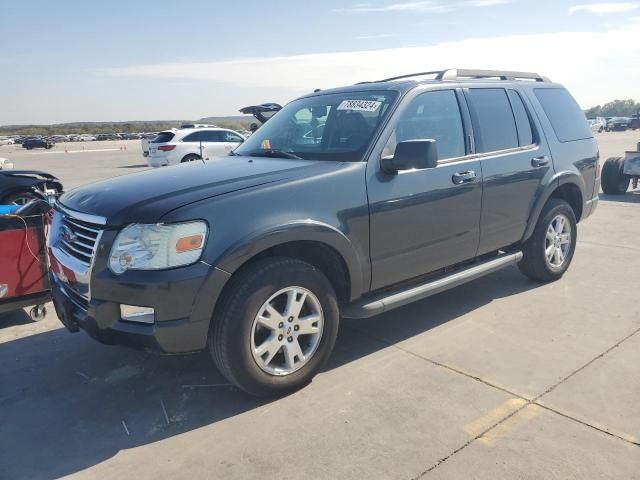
x,y
183,300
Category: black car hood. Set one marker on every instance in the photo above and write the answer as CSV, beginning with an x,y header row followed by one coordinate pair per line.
x,y
146,196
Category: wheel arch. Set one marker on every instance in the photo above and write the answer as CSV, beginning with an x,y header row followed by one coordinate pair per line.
x,y
567,186
319,244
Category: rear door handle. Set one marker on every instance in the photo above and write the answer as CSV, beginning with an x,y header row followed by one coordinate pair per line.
x,y
540,161
463,177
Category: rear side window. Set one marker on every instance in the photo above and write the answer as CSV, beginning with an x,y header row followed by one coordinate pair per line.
x,y
566,117
495,126
523,121
163,137
211,136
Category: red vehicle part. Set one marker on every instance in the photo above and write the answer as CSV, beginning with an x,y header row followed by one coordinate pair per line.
x,y
24,277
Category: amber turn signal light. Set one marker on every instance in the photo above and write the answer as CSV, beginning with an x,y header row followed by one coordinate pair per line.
x,y
192,242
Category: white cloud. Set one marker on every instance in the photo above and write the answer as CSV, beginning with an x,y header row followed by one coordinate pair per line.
x,y
424,6
427,6
483,3
604,8
584,61
376,37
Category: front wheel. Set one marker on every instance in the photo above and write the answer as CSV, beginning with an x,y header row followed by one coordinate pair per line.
x,y
275,326
614,181
549,251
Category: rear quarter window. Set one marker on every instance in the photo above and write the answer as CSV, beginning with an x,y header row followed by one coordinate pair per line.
x,y
163,137
564,113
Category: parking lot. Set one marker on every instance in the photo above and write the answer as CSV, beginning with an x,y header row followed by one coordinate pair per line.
x,y
501,378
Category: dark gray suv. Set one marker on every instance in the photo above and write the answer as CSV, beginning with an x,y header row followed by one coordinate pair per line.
x,y
348,202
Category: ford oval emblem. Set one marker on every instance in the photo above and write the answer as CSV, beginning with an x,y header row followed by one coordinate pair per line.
x,y
67,234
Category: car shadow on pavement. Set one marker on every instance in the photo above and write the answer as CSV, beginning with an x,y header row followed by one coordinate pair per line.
x,y
68,403
11,319
632,196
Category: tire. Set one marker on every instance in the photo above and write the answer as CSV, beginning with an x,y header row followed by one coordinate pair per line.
x,y
20,198
535,263
613,180
192,157
235,333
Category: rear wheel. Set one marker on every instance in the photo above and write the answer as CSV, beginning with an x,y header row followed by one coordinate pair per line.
x,y
549,251
275,327
614,181
190,158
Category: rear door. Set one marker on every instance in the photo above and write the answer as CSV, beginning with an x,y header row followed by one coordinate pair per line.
x,y
213,144
423,220
516,163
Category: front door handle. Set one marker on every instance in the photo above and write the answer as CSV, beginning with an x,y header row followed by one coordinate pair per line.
x,y
540,161
463,177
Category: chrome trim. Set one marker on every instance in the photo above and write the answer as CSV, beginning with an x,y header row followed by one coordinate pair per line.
x,y
83,217
79,225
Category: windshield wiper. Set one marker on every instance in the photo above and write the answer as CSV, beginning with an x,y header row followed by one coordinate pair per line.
x,y
274,153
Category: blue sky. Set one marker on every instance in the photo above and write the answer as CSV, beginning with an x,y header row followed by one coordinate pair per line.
x,y
89,61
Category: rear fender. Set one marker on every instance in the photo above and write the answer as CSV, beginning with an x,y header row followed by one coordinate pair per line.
x,y
559,179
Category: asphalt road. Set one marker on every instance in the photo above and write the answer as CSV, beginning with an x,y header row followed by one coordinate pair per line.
x,y
501,378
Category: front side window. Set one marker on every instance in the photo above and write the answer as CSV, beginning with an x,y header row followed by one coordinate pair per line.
x,y
337,127
231,137
435,116
493,120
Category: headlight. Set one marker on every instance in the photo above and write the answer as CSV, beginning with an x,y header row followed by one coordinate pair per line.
x,y
155,247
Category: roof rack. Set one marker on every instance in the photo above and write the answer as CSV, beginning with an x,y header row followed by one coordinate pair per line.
x,y
459,73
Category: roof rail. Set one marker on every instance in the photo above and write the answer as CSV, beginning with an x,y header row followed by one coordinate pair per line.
x,y
459,73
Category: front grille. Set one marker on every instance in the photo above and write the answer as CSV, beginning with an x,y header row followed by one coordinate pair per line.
x,y
79,238
78,299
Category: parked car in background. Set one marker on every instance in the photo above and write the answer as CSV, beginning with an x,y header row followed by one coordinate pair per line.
x,y
617,124
197,125
349,202
634,123
86,138
146,139
186,145
598,125
37,143
107,136
6,141
58,138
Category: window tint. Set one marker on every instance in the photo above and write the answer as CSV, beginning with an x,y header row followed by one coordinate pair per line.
x,y
231,137
432,115
566,117
494,125
211,136
192,137
523,122
163,137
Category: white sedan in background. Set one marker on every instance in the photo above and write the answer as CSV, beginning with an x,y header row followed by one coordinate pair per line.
x,y
186,145
6,141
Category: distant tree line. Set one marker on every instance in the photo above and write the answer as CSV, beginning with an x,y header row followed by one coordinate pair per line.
x,y
617,108
93,128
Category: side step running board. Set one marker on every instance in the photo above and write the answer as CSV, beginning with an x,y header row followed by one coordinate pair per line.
x,y
371,306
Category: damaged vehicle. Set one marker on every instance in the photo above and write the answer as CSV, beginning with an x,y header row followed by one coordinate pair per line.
x,y
22,186
348,202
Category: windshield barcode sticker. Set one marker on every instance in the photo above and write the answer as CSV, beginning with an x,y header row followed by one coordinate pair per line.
x,y
360,105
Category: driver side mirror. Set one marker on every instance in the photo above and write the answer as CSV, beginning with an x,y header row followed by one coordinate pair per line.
x,y
411,154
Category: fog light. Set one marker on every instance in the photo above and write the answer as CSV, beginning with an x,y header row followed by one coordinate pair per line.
x,y
133,313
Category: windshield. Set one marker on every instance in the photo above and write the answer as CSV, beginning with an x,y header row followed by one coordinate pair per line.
x,y
324,127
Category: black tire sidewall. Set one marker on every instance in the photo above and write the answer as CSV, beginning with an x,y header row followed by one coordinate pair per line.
x,y
614,181
555,208
192,157
246,299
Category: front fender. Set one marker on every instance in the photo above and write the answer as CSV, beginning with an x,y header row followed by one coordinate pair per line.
x,y
305,230
546,191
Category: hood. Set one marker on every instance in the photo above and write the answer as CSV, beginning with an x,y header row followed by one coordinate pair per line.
x,y
146,196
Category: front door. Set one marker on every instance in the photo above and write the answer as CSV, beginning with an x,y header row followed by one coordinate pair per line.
x,y
423,220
